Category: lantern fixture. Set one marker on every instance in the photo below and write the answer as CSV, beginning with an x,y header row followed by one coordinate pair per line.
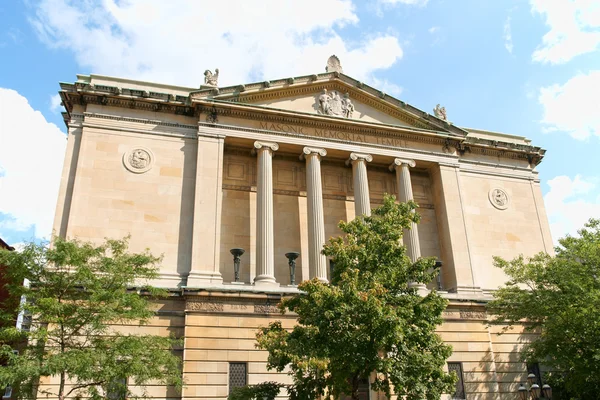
x,y
237,253
292,256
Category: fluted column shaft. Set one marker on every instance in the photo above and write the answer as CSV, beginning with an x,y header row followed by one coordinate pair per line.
x,y
265,264
362,203
405,193
316,221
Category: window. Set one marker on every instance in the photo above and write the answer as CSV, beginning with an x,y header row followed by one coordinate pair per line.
x,y
117,389
26,322
459,392
237,375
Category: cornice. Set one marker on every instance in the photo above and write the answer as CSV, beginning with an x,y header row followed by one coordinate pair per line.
x,y
84,93
139,120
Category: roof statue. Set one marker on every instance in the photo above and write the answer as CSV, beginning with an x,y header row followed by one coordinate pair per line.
x,y
334,65
211,79
440,112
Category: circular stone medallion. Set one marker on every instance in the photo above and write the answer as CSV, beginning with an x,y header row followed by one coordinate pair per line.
x,y
499,198
138,160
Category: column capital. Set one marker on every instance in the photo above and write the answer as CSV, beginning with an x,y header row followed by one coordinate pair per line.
x,y
266,146
313,150
401,161
359,157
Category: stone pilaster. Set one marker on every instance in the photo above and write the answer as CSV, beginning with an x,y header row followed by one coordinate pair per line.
x,y
206,234
405,193
265,263
457,272
362,203
316,221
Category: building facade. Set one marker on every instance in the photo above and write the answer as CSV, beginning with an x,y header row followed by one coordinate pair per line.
x,y
271,168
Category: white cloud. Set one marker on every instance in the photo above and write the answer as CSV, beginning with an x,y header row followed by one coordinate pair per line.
x,y
434,29
570,203
508,43
574,29
174,42
55,105
573,107
409,2
31,157
387,87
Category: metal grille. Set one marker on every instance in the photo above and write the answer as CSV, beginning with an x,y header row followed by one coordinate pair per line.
x,y
237,375
460,386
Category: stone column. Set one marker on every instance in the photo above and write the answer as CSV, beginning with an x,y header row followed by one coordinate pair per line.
x,y
316,222
362,203
411,236
265,264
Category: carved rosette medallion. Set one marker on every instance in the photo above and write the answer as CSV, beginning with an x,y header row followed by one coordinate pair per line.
x,y
138,160
499,198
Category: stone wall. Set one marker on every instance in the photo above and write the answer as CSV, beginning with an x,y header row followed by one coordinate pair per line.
x,y
221,329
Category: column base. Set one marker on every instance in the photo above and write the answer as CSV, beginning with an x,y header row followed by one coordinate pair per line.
x,y
203,278
466,290
421,288
265,280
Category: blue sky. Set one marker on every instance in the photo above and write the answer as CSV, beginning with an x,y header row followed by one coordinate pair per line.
x,y
528,68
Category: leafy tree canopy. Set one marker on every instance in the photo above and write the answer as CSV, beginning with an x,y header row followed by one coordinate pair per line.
x,y
265,390
76,292
370,323
560,299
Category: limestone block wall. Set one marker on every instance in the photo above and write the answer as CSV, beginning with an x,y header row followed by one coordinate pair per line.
x,y
221,329
106,199
517,229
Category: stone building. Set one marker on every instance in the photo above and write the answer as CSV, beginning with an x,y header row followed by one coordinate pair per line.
x,y
272,167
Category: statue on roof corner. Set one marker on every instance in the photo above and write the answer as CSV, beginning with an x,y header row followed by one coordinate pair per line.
x,y
440,112
331,103
211,79
334,65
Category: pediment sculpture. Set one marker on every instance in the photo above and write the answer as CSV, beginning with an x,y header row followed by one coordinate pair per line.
x,y
331,103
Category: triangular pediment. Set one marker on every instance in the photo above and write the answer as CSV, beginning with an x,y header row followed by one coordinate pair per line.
x,y
331,95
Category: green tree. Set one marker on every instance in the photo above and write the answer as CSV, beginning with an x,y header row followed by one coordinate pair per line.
x,y
559,297
261,391
76,292
370,323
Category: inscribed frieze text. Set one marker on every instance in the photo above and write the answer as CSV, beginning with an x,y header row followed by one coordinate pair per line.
x,y
210,306
332,134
